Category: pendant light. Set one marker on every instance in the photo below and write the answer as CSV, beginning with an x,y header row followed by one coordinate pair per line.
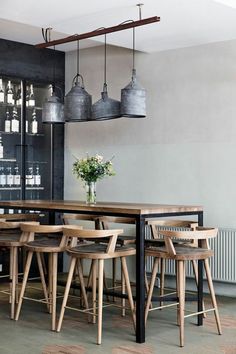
x,y
133,96
53,109
105,108
78,101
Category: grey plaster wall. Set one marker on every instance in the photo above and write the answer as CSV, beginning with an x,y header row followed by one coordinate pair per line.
x,y
184,151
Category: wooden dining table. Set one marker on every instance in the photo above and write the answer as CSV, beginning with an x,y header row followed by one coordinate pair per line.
x,y
140,212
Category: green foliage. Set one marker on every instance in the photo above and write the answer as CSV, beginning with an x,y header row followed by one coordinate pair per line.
x,y
92,168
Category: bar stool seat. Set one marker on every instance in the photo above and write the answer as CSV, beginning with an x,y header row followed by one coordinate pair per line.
x,y
11,240
88,251
182,253
47,245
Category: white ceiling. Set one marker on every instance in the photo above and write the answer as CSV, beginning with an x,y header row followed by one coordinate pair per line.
x,y
183,22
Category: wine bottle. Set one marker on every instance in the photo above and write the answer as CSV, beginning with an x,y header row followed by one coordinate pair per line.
x,y
18,96
7,122
16,180
9,180
37,177
15,124
34,125
1,148
30,177
31,97
1,92
27,96
26,126
2,177
10,99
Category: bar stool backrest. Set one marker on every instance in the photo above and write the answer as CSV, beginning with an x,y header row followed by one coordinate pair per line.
x,y
201,234
69,219
158,225
30,229
73,231
105,221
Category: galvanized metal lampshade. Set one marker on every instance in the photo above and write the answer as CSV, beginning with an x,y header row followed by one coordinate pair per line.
x,y
133,99
78,102
53,110
105,108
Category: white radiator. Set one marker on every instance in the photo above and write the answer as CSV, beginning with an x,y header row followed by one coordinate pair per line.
x,y
223,264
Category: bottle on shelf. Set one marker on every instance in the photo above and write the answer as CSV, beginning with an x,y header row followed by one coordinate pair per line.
x,y
9,93
37,177
30,177
26,126
27,96
1,148
2,94
34,124
16,178
31,96
7,126
3,178
18,96
9,179
15,124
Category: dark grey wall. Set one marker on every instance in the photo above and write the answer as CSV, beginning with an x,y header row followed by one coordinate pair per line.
x,y
29,63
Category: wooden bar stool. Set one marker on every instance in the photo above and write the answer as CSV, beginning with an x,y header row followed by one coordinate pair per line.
x,y
53,244
180,254
156,226
11,238
96,252
71,219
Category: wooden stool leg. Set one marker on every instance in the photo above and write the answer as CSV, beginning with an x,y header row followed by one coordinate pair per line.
x,y
94,289
66,293
13,282
100,299
181,287
122,291
151,287
105,284
177,290
89,282
213,297
17,276
83,290
41,272
10,273
43,263
114,275
25,278
50,282
162,278
129,291
54,289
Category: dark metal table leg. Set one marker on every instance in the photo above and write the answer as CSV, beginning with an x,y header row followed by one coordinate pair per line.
x,y
140,283
51,218
200,280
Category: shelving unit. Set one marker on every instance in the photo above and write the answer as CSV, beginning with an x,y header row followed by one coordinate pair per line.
x,y
25,153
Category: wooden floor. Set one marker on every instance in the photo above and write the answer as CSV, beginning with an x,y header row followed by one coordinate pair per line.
x,y
31,334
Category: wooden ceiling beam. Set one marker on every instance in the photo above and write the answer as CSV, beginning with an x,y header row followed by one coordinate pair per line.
x,y
99,32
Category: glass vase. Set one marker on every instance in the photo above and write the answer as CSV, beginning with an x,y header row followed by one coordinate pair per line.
x,y
90,188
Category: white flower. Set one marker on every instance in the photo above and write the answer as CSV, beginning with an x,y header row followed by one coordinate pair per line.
x,y
99,158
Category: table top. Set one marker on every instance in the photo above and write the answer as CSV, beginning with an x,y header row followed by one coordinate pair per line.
x,y
106,207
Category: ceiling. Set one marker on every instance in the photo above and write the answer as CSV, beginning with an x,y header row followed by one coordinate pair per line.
x,y
183,22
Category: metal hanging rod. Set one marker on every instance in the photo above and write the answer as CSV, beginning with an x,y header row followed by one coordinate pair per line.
x,y
99,32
